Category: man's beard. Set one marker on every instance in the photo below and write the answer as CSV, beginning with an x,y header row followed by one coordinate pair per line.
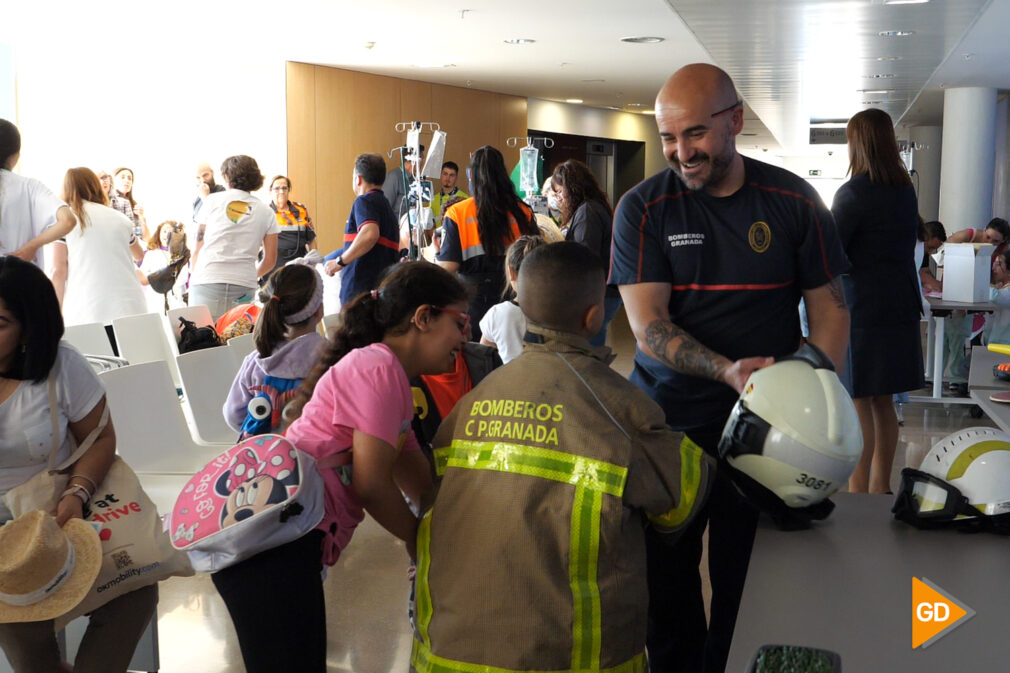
x,y
719,168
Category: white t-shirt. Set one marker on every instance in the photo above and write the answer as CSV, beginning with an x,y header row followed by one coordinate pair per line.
x,y
505,325
236,223
26,431
27,208
102,281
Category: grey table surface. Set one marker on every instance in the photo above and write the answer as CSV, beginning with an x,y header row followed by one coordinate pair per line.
x,y
980,375
999,412
938,304
846,586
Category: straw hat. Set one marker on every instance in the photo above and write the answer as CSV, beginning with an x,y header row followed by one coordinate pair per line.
x,y
45,570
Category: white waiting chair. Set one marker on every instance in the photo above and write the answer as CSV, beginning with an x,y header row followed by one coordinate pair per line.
x,y
142,338
151,431
329,322
198,315
102,363
90,338
242,346
207,375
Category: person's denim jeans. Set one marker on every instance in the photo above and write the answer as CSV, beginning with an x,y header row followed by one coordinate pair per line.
x,y
219,297
610,306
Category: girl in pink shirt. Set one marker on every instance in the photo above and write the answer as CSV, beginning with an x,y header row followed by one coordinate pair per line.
x,y
357,402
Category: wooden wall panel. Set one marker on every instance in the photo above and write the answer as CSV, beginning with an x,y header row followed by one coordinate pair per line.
x,y
301,128
470,119
512,116
355,112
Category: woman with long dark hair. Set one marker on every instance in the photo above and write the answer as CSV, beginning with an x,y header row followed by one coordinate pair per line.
x,y
877,216
123,201
586,212
478,231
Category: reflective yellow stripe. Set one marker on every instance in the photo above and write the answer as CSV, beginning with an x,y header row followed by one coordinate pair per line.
x,y
592,479
595,475
690,480
582,569
422,591
968,456
424,661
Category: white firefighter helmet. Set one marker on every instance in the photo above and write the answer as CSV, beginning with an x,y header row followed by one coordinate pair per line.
x,y
965,475
794,431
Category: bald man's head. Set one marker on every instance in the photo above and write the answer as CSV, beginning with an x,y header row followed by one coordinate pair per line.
x,y
698,83
699,114
204,174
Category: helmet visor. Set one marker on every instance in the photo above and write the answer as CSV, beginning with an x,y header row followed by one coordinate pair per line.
x,y
923,496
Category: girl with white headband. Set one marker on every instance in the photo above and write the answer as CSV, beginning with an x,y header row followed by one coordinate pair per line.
x,y
287,346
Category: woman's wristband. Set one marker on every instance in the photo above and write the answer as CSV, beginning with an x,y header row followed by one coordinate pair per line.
x,y
78,491
94,486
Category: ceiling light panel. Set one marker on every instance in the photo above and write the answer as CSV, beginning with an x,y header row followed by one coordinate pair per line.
x,y
795,59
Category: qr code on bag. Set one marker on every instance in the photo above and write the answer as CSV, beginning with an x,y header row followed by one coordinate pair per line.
x,y
121,559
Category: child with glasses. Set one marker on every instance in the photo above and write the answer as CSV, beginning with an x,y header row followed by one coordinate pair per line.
x,y
357,403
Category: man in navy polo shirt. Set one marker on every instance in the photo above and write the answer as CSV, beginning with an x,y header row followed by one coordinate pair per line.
x,y
371,238
712,257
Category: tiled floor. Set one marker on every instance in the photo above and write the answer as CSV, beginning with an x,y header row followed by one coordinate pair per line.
x,y
366,592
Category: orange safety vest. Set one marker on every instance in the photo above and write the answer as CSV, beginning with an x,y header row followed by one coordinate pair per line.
x,y
464,214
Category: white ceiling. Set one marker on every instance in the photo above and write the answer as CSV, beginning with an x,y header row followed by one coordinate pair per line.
x,y
792,60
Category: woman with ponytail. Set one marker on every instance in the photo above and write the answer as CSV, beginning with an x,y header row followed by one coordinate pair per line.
x,y
357,402
287,346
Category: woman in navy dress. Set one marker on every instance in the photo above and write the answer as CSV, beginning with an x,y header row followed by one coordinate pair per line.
x,y
877,217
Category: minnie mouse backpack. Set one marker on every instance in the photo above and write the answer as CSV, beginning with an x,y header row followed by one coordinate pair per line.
x,y
261,493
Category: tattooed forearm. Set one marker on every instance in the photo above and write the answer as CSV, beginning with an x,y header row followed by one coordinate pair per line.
x,y
837,293
681,352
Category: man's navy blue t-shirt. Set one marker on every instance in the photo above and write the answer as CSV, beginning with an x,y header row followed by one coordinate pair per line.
x,y
362,274
737,264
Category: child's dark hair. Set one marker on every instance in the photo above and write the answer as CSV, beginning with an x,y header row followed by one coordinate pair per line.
x,y
287,291
369,317
514,257
1000,226
932,229
558,283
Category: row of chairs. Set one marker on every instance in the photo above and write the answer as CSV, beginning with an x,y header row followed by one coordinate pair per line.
x,y
147,402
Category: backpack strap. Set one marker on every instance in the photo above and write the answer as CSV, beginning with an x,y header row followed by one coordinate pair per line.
x,y
335,460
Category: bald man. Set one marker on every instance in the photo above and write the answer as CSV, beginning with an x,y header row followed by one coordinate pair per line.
x,y
712,257
205,185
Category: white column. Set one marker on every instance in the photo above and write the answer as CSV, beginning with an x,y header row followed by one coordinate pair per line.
x,y
926,163
1001,174
966,166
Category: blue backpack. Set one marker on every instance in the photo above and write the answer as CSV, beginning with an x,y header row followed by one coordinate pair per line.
x,y
263,414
